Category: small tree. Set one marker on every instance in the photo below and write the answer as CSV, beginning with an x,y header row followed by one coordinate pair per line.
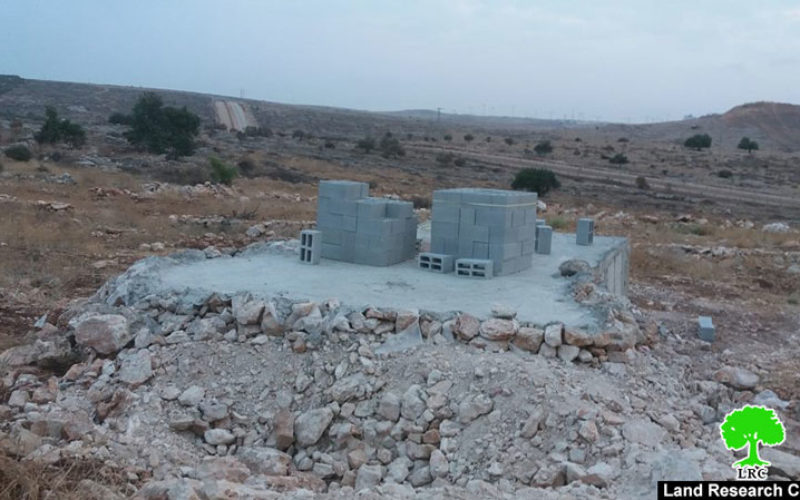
x,y
160,129
390,147
298,134
543,148
751,426
641,182
366,144
539,180
469,137
221,172
448,137
56,130
747,144
698,141
509,141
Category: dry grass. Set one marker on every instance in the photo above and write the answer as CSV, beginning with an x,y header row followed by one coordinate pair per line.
x,y
67,480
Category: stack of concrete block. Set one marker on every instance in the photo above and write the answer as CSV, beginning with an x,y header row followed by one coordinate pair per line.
x,y
585,232
310,246
363,230
705,328
493,224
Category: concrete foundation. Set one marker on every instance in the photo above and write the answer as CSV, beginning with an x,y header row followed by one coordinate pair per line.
x,y
538,294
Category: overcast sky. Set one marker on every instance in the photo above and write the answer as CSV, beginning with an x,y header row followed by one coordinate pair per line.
x,y
624,60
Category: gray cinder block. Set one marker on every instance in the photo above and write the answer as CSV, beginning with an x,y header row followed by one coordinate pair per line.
x,y
436,262
706,330
585,231
544,239
474,268
310,246
343,190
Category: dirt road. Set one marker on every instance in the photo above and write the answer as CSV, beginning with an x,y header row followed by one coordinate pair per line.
x,y
606,175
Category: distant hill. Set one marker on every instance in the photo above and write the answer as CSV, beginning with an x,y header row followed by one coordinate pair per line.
x,y
774,125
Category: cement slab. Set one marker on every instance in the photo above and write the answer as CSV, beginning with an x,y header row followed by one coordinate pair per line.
x,y
538,294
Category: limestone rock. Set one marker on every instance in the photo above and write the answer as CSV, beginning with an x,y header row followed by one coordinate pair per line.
x,y
105,333
577,337
466,326
643,432
389,407
248,312
218,436
568,352
782,462
736,377
284,429
473,407
553,334
136,368
192,396
573,267
498,329
529,339
311,425
439,465
368,476
412,404
263,460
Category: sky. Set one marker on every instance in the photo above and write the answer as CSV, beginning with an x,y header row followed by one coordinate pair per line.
x,y
620,60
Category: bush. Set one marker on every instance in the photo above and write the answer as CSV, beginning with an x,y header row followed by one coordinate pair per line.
x,y
747,144
489,138
445,158
623,139
557,222
220,172
641,182
509,141
448,137
19,153
725,174
469,137
56,130
539,180
2,167
390,147
618,159
162,129
459,162
119,119
251,131
421,201
543,148
247,167
298,134
366,144
698,141
330,145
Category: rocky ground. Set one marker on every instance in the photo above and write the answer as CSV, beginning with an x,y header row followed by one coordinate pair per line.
x,y
200,395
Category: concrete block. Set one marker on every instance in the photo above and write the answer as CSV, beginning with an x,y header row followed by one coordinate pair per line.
x,y
585,231
332,236
437,263
310,246
541,222
374,227
444,230
447,196
329,220
492,217
371,208
480,250
544,239
342,207
474,268
473,232
446,213
396,209
333,252
706,330
349,223
528,247
348,190
505,251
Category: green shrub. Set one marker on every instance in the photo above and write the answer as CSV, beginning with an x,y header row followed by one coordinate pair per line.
x,y
162,129
489,138
19,153
445,158
330,145
366,144
390,147
698,141
725,174
618,159
298,134
509,141
247,167
220,172
641,182
469,137
459,162
543,148
539,180
557,222
448,137
119,119
56,130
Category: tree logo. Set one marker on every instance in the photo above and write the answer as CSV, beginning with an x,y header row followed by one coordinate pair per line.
x,y
750,426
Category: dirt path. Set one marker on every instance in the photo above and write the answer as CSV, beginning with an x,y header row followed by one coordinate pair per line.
x,y
234,115
605,175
